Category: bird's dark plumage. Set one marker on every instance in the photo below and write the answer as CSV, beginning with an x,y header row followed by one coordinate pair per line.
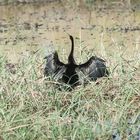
x,y
71,73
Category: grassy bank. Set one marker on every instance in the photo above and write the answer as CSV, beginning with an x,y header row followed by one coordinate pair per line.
x,y
32,108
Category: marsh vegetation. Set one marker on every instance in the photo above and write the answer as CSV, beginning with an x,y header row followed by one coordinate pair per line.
x,y
30,105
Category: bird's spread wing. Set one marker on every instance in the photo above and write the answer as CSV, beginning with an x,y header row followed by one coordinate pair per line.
x,y
94,68
54,67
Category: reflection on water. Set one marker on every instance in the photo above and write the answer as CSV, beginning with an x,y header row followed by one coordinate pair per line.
x,y
104,31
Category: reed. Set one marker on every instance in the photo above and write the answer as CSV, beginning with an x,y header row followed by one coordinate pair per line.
x,y
32,108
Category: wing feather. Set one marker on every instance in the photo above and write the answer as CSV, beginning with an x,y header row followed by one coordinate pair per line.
x,y
94,68
54,67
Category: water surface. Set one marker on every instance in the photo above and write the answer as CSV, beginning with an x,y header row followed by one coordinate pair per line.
x,y
101,31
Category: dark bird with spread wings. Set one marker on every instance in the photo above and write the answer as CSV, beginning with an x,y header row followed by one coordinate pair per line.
x,y
71,73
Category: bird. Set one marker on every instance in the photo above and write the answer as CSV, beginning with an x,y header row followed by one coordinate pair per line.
x,y
71,73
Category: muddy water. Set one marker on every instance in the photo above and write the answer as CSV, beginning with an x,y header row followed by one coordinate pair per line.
x,y
104,32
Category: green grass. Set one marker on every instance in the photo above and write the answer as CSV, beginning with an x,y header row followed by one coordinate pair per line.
x,y
31,108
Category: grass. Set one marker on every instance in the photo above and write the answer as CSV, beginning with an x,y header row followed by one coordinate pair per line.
x,y
31,108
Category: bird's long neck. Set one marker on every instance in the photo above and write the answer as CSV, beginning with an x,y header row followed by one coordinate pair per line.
x,y
70,58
